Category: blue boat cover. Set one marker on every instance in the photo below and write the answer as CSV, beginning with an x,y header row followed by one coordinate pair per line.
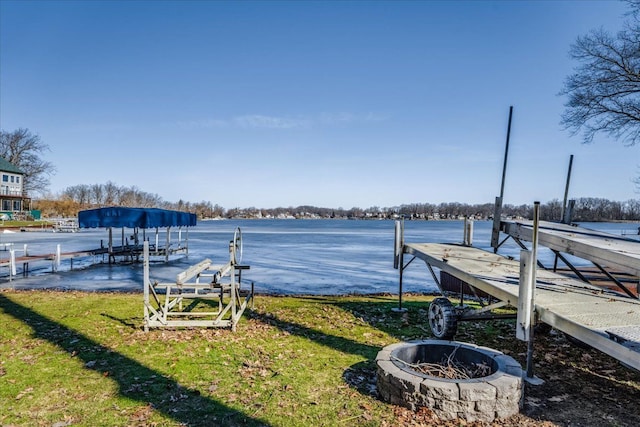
x,y
134,217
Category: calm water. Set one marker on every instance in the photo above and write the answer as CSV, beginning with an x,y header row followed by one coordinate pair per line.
x,y
286,256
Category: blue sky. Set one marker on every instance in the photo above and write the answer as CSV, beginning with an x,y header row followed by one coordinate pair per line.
x,y
333,104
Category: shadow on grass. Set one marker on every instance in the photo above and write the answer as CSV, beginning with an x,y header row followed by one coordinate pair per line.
x,y
345,345
135,381
377,313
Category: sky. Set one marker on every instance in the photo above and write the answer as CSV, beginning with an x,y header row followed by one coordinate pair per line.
x,y
335,104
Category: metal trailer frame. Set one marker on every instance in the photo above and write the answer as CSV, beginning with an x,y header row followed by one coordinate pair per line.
x,y
164,303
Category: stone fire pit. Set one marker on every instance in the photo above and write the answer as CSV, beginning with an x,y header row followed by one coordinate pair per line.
x,y
496,395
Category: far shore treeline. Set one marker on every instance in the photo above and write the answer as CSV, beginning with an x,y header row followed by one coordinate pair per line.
x,y
80,197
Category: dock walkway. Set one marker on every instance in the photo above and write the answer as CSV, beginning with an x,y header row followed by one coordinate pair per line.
x,y
607,250
126,252
616,258
604,321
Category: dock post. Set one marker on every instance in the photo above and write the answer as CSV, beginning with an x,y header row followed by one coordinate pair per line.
x,y
166,253
532,279
468,232
146,283
565,218
495,235
400,283
495,231
110,250
56,260
12,263
398,260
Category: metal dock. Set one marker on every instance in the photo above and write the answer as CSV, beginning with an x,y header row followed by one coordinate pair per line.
x,y
608,323
594,315
617,258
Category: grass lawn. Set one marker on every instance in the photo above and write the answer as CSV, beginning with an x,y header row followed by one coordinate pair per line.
x,y
75,358
72,358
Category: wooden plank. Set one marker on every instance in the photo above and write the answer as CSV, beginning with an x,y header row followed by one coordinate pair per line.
x,y
192,271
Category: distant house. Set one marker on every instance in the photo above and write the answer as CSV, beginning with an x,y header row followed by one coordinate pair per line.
x,y
12,197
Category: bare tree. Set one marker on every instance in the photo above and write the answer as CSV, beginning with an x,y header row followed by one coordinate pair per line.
x,y
24,149
112,192
97,192
604,91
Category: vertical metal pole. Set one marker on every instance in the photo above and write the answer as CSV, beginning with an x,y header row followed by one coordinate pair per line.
x,y
495,231
110,243
495,235
534,262
564,218
465,240
399,248
468,232
145,284
397,244
58,256
232,294
166,254
525,287
506,153
12,263
400,282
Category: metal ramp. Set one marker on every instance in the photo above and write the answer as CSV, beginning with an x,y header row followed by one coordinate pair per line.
x,y
204,286
606,322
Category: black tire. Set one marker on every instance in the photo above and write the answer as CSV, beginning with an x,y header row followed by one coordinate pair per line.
x,y
442,319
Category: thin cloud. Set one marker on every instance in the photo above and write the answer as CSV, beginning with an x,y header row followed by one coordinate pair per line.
x,y
269,122
261,121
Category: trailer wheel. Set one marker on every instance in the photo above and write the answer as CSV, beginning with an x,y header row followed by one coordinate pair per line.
x,y
442,319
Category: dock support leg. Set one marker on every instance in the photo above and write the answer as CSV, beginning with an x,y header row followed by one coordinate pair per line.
x,y
400,309
528,291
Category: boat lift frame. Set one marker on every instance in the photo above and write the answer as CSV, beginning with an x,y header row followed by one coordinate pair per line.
x,y
164,303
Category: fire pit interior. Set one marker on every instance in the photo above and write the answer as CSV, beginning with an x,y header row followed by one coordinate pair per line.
x,y
442,360
454,379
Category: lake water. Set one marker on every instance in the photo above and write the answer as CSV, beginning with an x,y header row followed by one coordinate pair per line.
x,y
328,257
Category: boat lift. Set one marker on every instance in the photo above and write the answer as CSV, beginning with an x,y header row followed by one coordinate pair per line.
x,y
164,303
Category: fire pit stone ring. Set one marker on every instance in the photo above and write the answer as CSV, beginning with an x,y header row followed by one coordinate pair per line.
x,y
496,395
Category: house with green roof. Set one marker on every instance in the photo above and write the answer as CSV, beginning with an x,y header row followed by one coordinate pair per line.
x,y
13,201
